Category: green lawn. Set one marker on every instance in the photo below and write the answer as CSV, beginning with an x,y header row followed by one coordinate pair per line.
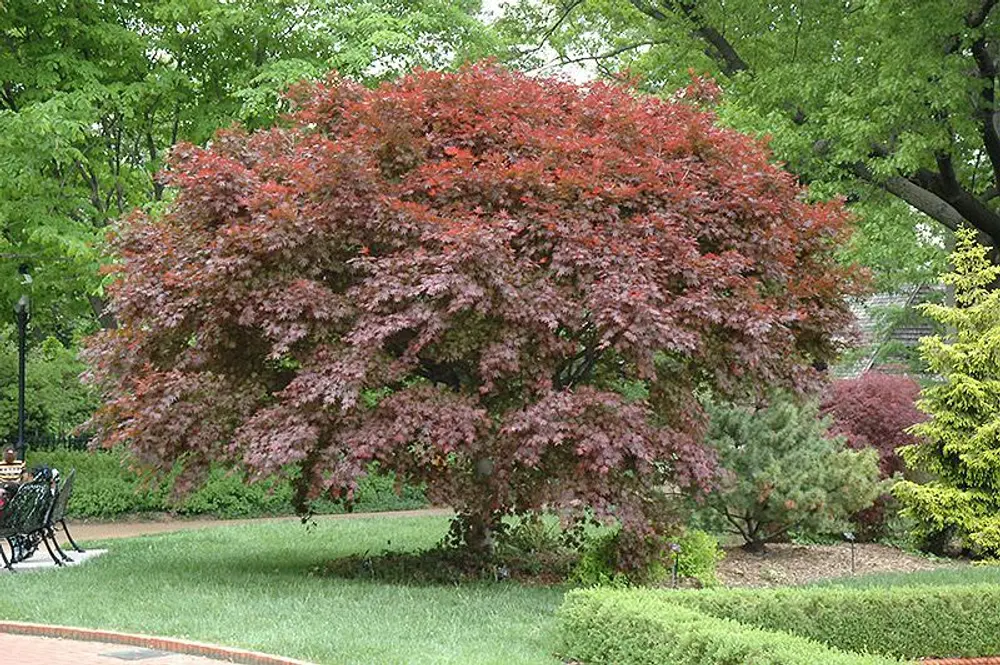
x,y
255,587
960,574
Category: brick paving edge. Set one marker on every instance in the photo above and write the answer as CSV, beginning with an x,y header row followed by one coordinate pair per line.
x,y
171,644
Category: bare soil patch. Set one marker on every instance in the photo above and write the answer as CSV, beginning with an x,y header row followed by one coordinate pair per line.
x,y
785,564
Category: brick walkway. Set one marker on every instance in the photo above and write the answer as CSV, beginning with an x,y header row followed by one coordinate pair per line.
x,y
30,650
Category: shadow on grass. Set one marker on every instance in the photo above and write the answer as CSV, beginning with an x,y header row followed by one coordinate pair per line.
x,y
231,555
439,566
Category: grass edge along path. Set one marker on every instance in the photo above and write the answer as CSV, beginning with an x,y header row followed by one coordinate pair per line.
x,y
258,586
91,530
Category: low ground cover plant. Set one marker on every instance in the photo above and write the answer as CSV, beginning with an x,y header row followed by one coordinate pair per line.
x,y
695,555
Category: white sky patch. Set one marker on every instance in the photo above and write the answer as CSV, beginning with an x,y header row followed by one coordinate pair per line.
x,y
576,72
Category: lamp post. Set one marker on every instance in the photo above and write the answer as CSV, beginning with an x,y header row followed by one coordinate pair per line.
x,y
21,309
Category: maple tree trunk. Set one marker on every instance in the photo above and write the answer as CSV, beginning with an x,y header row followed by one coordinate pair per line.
x,y
480,521
479,540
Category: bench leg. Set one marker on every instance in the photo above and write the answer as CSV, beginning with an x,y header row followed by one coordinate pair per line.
x,y
52,554
59,550
7,563
71,541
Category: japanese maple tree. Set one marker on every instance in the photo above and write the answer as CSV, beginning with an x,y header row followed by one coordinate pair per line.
x,y
875,411
457,275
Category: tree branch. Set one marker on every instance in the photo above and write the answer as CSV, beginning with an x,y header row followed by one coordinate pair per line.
x,y
945,185
719,48
567,10
607,54
100,309
733,519
649,10
8,96
988,115
926,202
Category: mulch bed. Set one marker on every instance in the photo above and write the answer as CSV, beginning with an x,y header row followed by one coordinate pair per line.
x,y
785,564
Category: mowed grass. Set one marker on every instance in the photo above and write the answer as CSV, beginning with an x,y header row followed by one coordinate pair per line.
x,y
256,587
959,574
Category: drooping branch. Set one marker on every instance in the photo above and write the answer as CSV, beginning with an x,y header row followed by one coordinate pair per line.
x,y
544,39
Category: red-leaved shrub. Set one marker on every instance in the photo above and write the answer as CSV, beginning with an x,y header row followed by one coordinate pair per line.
x,y
875,411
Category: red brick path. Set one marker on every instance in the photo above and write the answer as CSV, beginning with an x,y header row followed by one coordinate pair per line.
x,y
31,650
41,644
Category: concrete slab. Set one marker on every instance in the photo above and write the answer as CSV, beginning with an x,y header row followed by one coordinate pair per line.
x,y
41,560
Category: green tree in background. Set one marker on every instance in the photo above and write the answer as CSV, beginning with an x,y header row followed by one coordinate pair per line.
x,y
783,471
960,445
57,402
92,94
890,103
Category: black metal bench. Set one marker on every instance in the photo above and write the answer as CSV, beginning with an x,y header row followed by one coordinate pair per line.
x,y
24,523
30,518
57,516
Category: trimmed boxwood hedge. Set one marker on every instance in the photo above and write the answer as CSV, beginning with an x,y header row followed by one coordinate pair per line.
x,y
106,488
645,627
894,622
905,622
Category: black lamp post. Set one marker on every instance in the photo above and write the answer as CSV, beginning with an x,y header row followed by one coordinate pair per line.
x,y
21,309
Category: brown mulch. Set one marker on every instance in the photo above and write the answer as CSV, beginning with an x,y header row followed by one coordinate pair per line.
x,y
784,564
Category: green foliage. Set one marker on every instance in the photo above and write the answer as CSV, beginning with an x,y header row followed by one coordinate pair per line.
x,y
226,493
784,472
104,485
55,400
900,622
107,487
697,555
94,94
596,566
886,103
959,447
643,627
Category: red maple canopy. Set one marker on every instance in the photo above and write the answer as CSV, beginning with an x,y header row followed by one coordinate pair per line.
x,y
505,287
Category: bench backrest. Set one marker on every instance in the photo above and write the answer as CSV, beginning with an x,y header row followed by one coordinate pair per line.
x,y
62,498
27,511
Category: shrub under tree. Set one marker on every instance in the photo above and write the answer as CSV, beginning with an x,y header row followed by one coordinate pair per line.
x,y
875,410
454,275
959,446
783,471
